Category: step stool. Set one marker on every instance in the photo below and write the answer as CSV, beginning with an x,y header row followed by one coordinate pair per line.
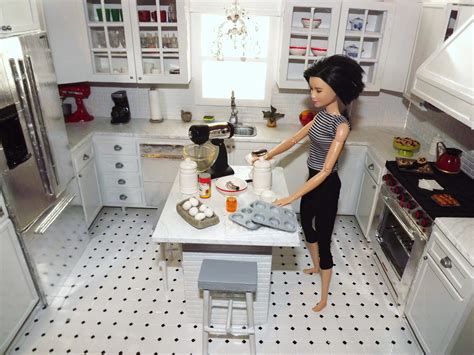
x,y
230,277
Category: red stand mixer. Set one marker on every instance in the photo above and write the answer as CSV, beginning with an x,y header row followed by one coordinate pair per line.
x,y
78,92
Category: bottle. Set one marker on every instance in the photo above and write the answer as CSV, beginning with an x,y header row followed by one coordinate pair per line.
x,y
188,179
204,180
434,144
262,175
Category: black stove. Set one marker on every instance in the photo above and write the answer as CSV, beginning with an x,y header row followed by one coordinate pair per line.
x,y
460,186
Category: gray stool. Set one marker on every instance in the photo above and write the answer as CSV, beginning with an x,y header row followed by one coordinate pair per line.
x,y
227,276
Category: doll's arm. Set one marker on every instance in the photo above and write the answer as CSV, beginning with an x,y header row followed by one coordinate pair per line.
x,y
289,142
333,154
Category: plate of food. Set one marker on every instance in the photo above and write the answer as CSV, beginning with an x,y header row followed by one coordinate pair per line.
x,y
406,146
419,166
445,200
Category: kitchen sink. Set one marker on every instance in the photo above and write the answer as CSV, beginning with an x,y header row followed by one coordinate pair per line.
x,y
245,131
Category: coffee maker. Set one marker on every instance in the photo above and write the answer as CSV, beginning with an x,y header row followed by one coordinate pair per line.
x,y
121,110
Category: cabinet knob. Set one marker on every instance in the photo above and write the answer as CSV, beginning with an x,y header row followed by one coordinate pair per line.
x,y
123,197
131,77
1,212
425,258
80,175
9,28
121,181
139,78
119,165
446,262
4,28
117,148
374,187
370,167
85,157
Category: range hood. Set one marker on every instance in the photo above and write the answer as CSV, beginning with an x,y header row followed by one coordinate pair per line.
x,y
446,78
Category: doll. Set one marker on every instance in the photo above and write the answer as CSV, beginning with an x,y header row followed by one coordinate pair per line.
x,y
334,83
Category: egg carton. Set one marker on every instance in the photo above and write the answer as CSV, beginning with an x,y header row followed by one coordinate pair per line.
x,y
263,213
206,222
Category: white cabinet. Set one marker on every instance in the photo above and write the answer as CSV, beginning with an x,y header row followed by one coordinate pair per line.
x,y
18,16
440,298
369,190
358,29
18,295
88,181
119,170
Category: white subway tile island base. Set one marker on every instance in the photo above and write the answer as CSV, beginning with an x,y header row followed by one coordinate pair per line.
x,y
227,241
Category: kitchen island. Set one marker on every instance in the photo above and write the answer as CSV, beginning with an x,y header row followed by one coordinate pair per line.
x,y
227,241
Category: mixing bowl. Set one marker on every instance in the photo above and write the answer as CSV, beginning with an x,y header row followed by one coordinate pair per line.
x,y
204,155
224,188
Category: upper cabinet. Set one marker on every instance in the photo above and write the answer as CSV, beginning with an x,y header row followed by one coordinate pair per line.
x,y
18,16
126,41
312,29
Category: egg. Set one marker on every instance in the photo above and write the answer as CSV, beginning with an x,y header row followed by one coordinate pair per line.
x,y
203,207
208,212
187,205
194,201
193,211
200,216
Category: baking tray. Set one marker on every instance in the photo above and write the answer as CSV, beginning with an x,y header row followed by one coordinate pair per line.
x,y
244,217
206,222
273,216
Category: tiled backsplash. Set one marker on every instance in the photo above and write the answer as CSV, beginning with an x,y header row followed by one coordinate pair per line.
x,y
380,110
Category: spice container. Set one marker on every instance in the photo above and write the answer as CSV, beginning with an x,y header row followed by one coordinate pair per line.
x,y
204,181
231,204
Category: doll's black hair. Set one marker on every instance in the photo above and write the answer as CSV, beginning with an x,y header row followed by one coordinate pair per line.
x,y
341,73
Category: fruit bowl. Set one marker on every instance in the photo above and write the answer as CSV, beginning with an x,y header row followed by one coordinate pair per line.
x,y
223,187
203,154
405,145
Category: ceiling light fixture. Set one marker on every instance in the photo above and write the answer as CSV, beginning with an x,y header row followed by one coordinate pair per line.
x,y
235,30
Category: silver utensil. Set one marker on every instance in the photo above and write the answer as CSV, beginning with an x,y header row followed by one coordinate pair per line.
x,y
231,186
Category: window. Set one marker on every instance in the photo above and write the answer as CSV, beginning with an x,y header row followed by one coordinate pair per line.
x,y
250,78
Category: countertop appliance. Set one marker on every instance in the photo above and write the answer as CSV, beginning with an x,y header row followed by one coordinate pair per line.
x,y
121,110
406,221
215,132
36,173
79,92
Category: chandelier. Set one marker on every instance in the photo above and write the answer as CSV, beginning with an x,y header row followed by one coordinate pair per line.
x,y
235,30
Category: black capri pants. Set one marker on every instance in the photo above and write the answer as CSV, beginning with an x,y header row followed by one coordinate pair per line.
x,y
320,205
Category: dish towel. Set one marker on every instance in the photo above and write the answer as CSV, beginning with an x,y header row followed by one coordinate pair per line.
x,y
429,185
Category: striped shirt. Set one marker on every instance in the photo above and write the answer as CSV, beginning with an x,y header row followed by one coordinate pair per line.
x,y
321,134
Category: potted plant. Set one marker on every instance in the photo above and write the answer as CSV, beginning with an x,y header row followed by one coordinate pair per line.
x,y
272,116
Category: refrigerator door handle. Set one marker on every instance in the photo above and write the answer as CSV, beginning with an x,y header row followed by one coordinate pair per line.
x,y
36,101
25,101
54,214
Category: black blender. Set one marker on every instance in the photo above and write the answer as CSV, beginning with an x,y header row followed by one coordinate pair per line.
x,y
215,133
121,110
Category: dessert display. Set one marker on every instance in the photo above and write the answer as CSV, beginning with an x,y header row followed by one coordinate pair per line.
x,y
420,165
406,145
445,200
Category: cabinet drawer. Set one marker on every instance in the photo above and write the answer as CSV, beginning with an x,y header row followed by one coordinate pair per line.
x,y
82,156
118,164
122,146
121,180
450,261
374,169
122,196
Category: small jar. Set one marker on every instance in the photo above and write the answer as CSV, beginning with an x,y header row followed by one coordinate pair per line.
x,y
204,180
231,204
188,180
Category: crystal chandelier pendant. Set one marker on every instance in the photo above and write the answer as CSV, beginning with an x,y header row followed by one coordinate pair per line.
x,y
234,30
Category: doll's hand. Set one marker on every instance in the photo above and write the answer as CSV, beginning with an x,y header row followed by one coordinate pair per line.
x,y
283,201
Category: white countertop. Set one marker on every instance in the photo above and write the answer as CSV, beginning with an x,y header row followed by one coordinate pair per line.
x,y
172,228
460,231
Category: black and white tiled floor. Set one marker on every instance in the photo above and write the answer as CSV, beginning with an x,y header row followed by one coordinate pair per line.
x,y
114,303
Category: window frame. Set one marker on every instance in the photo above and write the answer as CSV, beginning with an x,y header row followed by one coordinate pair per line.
x,y
197,78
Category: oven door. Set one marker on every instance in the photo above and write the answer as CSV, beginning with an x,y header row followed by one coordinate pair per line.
x,y
398,245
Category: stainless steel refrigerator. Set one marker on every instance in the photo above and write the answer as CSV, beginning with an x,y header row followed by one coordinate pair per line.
x,y
36,172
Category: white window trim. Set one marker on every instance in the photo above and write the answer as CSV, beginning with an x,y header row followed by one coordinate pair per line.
x,y
197,72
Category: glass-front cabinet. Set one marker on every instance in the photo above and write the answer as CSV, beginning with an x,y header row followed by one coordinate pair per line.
x,y
138,40
314,29
309,32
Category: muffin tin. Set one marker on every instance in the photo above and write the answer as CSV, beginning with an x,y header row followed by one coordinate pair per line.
x,y
262,213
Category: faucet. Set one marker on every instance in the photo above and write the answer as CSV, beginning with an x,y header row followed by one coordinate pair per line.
x,y
233,114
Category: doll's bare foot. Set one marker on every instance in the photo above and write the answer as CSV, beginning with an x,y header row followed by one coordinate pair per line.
x,y
319,306
312,270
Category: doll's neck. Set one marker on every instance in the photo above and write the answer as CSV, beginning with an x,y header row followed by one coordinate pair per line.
x,y
333,108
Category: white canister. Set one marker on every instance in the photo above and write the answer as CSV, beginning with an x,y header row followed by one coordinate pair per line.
x,y
188,179
262,175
